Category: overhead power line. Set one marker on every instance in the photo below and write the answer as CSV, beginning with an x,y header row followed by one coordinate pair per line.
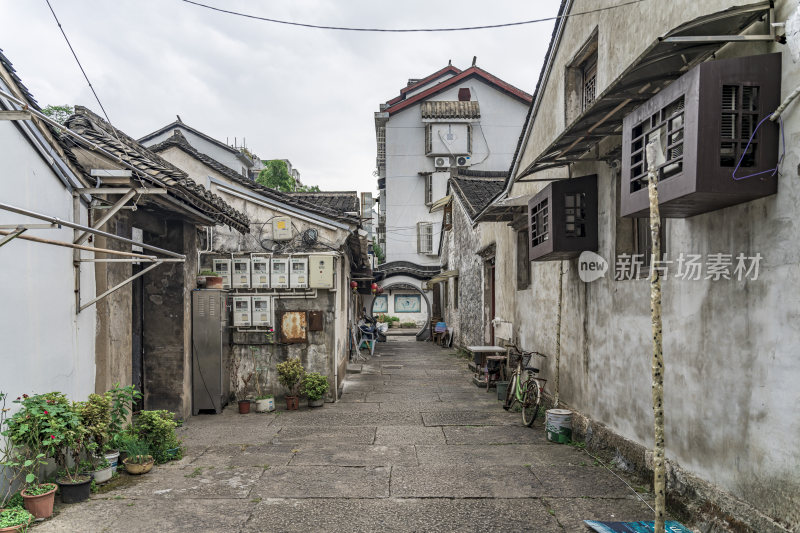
x,y
405,30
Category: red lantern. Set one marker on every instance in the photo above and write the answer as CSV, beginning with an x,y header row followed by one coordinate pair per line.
x,y
374,288
354,285
380,290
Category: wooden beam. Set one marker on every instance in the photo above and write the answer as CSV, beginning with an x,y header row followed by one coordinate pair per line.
x,y
15,115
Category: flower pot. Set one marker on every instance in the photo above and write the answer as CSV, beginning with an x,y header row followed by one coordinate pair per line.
x,y
113,458
265,405
209,282
103,475
244,407
40,506
14,529
138,468
292,403
74,492
319,402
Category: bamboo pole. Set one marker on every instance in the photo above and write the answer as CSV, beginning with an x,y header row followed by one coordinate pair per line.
x,y
659,481
558,330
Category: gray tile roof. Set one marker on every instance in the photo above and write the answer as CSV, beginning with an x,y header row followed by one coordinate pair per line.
x,y
477,188
179,141
450,109
154,168
339,201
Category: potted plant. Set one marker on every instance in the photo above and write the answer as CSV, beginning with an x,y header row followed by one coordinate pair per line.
x,y
122,400
209,279
264,402
95,416
157,429
315,386
70,441
39,499
14,520
138,459
241,384
290,375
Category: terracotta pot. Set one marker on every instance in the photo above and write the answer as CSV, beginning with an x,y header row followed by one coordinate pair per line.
x,y
244,407
14,529
74,492
138,468
292,403
213,282
40,506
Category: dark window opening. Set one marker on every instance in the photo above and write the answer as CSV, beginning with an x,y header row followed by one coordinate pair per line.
x,y
464,94
589,77
665,129
523,261
539,223
455,292
643,243
737,124
575,214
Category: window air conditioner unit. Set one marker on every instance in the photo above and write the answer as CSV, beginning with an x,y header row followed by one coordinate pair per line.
x,y
441,162
463,161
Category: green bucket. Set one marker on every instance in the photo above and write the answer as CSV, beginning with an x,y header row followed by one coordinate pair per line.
x,y
558,425
502,386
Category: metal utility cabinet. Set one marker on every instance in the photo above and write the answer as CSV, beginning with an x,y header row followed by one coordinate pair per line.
x,y
210,383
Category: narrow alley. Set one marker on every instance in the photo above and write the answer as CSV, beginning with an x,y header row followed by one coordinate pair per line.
x,y
412,445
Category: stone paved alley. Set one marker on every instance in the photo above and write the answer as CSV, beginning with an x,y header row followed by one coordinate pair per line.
x,y
411,446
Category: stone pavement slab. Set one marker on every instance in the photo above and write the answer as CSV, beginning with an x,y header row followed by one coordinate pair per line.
x,y
465,481
323,482
471,418
490,435
329,435
509,454
409,435
356,455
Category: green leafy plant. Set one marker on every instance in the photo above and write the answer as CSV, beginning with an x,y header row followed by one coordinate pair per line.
x,y
157,429
59,113
136,447
96,418
16,501
38,490
264,397
291,374
408,324
122,400
315,385
207,272
14,517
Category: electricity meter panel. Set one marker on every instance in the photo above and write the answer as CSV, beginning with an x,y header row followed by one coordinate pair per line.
x,y
280,273
320,271
241,311
281,229
259,272
299,272
241,273
223,269
261,311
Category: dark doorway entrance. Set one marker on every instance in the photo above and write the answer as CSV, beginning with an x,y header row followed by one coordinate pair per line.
x,y
137,352
490,280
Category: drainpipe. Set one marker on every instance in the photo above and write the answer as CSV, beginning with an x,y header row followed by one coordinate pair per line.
x,y
659,483
558,329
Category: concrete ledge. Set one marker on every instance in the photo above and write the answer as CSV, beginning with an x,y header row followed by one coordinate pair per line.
x,y
710,508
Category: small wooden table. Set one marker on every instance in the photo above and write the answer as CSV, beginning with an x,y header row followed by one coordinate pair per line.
x,y
481,357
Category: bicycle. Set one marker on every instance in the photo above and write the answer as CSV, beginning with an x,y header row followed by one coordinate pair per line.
x,y
527,393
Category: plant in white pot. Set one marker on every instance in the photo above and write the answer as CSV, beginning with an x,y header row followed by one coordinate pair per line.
x,y
264,402
315,386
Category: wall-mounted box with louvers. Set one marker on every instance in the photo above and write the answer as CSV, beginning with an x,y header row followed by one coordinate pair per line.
x,y
562,219
702,124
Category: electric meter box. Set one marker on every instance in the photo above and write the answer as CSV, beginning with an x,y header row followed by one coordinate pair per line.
x,y
299,272
241,273
281,229
261,311
259,272
320,271
223,269
241,311
280,272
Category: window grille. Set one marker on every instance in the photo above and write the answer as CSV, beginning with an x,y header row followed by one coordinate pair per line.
x,y
739,119
424,237
589,82
665,128
429,189
539,223
428,139
575,214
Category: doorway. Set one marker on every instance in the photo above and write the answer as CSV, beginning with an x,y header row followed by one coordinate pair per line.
x,y
137,337
490,296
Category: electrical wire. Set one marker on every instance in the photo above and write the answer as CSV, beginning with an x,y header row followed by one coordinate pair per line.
x,y
405,30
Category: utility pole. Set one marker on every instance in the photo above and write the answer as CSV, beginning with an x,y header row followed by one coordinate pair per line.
x,y
659,481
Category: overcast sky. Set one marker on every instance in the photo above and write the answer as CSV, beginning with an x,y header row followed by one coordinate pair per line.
x,y
294,93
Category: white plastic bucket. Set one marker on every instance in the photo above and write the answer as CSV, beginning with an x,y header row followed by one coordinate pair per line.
x,y
558,425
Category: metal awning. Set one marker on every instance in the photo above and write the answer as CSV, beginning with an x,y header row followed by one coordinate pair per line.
x,y
664,61
441,203
444,276
506,209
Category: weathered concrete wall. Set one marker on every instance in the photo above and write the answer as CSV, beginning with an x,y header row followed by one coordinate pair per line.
x,y
729,346
459,252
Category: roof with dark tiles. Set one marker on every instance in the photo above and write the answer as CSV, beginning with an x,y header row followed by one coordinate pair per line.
x,y
154,168
306,203
477,188
340,201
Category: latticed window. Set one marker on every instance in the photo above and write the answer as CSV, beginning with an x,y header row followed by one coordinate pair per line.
x,y
539,223
424,237
575,214
589,81
665,129
428,189
738,121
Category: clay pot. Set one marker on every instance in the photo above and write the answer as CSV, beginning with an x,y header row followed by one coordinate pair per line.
x,y
292,403
138,468
244,407
209,282
40,506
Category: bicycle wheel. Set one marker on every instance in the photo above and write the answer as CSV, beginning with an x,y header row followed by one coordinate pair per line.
x,y
512,384
530,403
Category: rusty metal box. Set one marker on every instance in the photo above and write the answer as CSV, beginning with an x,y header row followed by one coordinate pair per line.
x,y
315,321
293,327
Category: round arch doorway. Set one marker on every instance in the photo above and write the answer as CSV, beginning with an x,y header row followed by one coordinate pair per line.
x,y
425,331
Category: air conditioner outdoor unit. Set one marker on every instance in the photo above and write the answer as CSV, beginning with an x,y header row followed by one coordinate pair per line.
x,y
441,162
463,161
